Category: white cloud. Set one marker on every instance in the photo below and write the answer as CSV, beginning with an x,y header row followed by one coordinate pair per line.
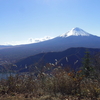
x,y
30,40
15,43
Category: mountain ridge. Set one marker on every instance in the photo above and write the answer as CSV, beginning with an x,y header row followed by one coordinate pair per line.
x,y
71,57
53,45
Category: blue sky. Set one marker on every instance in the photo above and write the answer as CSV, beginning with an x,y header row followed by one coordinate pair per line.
x,y
24,20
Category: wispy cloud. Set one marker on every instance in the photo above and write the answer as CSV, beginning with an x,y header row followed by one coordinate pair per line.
x,y
30,40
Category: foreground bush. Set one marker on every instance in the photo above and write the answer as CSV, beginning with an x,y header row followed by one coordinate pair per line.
x,y
57,83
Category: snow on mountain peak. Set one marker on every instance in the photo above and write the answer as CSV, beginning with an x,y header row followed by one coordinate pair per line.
x,y
75,32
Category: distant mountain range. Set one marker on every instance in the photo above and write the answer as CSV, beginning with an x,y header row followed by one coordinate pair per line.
x,y
76,37
71,57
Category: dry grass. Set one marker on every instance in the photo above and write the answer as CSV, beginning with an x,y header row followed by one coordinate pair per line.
x,y
59,84
47,97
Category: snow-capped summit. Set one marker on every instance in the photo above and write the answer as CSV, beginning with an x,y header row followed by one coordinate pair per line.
x,y
75,32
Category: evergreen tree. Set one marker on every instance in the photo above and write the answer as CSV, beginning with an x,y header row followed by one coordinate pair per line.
x,y
87,67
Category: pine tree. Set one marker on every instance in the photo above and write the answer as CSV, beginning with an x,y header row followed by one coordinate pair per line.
x,y
87,67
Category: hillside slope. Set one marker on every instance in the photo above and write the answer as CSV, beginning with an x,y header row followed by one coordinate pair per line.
x,y
71,57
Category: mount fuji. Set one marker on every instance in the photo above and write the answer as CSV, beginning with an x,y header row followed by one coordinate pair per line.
x,y
76,37
76,32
